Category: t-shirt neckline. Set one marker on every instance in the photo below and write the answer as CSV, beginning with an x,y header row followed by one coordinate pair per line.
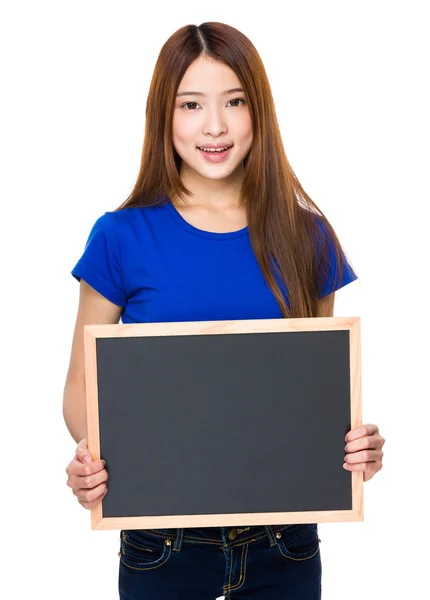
x,y
212,235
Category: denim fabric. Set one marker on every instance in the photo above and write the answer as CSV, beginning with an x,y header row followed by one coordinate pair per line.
x,y
272,562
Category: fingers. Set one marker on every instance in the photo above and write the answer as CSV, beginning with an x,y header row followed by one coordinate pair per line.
x,y
82,452
368,468
364,430
91,487
92,504
90,495
371,466
77,469
87,477
364,446
87,482
375,441
363,457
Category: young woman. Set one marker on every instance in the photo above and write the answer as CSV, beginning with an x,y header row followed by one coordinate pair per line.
x,y
217,227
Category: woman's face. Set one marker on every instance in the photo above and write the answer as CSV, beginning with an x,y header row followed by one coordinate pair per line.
x,y
211,117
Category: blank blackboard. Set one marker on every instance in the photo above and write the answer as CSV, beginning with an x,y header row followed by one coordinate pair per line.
x,y
222,423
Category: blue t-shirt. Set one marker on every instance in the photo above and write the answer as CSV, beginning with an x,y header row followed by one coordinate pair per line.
x,y
160,268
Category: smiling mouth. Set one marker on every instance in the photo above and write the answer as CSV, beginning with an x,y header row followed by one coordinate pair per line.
x,y
214,150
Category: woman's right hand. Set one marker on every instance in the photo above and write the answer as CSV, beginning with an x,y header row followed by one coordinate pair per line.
x,y
87,477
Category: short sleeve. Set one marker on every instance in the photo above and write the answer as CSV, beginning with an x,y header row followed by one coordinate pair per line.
x,y
100,263
330,277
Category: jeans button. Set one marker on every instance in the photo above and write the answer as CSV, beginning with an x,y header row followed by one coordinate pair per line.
x,y
233,534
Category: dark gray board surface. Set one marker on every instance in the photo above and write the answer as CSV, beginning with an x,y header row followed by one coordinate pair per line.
x,y
224,423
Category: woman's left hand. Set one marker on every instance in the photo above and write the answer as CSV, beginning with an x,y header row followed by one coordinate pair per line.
x,y
364,450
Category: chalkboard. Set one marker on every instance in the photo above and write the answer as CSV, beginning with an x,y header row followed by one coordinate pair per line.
x,y
220,423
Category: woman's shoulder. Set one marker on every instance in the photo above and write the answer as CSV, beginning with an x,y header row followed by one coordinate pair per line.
x,y
134,216
131,212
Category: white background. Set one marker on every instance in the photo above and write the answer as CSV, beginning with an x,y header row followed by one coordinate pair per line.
x,y
350,87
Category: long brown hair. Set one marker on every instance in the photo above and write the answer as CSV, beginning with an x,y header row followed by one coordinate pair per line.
x,y
289,244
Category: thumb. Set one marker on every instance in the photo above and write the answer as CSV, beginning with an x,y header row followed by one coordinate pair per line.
x,y
82,452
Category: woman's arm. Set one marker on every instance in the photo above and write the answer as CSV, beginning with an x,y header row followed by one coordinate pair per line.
x,y
93,309
364,444
326,306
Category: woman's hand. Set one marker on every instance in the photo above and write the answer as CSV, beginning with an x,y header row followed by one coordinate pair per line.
x,y
364,447
87,477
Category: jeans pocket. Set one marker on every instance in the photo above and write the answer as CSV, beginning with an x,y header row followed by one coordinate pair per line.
x,y
299,542
142,551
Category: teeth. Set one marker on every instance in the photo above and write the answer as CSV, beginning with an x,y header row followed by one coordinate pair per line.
x,y
214,149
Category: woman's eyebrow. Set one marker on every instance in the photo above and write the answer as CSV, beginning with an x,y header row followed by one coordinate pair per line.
x,y
233,90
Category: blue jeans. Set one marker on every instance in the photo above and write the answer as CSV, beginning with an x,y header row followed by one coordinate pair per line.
x,y
272,562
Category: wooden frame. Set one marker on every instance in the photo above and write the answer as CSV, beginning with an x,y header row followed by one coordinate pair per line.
x,y
92,332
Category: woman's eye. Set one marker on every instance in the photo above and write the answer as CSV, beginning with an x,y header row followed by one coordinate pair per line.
x,y
193,103
237,100
187,103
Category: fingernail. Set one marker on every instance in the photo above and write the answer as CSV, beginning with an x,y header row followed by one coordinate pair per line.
x,y
104,462
345,466
86,458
